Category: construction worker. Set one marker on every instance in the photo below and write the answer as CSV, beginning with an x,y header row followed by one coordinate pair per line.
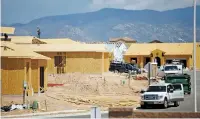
x,y
38,32
6,36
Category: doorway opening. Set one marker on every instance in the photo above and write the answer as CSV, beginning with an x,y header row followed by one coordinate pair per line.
x,y
42,79
184,63
134,59
158,61
147,60
60,63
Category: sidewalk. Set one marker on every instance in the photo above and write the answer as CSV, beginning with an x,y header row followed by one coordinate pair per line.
x,y
45,113
74,115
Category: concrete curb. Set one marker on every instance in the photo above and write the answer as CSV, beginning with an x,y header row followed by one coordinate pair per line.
x,y
71,115
43,113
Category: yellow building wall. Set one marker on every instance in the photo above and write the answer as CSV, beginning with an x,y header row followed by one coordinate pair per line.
x,y
106,62
50,63
12,74
197,57
85,62
35,75
126,59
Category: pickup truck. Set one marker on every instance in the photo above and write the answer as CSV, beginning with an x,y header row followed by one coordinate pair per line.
x,y
162,94
172,69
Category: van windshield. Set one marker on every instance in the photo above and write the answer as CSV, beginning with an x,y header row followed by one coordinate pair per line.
x,y
170,68
156,89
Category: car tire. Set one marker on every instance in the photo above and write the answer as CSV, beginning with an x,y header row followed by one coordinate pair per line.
x,y
143,106
165,105
116,71
176,103
189,93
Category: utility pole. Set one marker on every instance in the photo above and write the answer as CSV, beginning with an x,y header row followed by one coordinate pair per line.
x,y
149,72
194,59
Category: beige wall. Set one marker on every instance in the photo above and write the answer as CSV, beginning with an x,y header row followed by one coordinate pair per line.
x,y
12,75
14,72
85,62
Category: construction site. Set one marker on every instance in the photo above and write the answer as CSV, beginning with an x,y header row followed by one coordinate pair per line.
x,y
82,91
62,74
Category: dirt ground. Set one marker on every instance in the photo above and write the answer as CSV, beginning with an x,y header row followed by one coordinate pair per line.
x,y
82,91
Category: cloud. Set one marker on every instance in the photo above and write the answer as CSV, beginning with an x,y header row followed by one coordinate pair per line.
x,y
159,5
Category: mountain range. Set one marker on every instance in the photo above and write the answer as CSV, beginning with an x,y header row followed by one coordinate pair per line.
x,y
142,25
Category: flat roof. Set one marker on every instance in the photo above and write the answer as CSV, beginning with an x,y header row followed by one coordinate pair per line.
x,y
67,47
59,41
12,50
8,30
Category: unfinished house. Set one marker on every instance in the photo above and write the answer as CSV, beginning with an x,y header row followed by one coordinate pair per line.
x,y
19,64
25,40
68,58
59,41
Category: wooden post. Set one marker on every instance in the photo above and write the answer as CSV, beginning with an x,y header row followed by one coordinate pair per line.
x,y
24,95
24,91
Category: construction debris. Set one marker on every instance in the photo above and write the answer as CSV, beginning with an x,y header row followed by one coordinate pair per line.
x,y
81,91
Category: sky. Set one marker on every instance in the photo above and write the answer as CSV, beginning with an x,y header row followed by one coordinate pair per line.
x,y
23,11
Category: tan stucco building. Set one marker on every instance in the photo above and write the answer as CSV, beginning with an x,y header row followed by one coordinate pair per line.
x,y
142,53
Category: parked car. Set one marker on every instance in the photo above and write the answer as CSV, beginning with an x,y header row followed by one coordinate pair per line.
x,y
179,78
163,94
123,68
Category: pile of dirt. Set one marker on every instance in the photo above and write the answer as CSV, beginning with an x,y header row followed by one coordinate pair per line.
x,y
83,84
81,91
103,90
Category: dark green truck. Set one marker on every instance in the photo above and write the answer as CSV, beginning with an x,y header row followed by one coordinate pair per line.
x,y
181,79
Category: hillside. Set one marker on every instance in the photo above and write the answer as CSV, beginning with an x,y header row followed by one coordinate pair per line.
x,y
142,25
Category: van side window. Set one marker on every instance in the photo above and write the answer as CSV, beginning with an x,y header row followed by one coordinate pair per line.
x,y
169,87
177,87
